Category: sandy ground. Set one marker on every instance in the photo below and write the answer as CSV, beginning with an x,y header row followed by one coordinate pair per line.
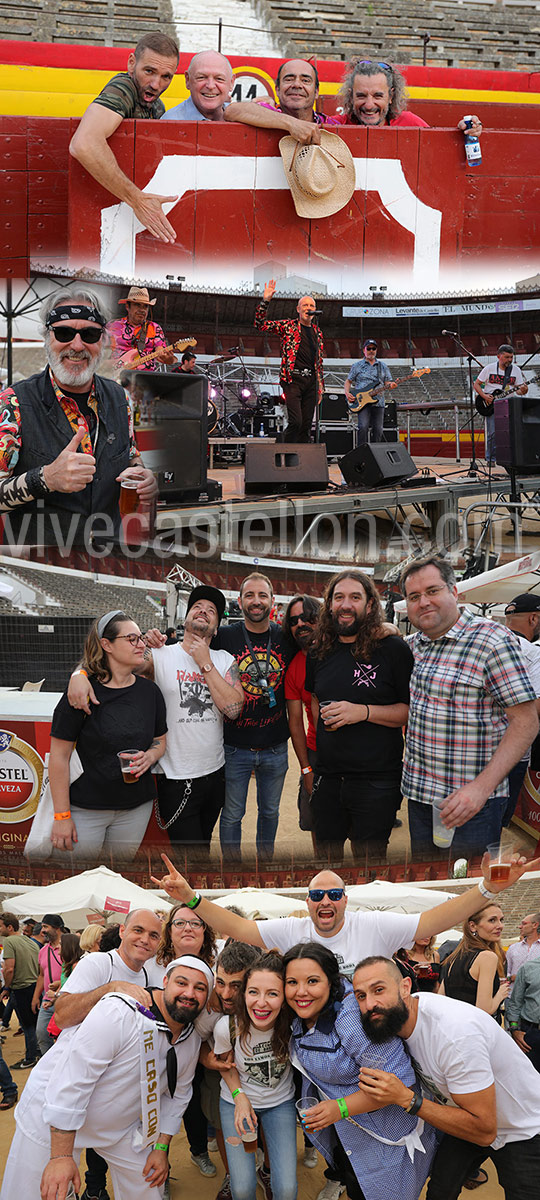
x,y
186,1180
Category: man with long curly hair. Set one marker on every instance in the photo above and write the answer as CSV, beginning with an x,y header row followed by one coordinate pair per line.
x,y
358,673
375,94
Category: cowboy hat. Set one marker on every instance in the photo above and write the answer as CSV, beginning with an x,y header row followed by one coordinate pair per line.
x,y
137,295
322,178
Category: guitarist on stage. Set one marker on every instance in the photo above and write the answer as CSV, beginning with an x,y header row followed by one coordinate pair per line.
x,y
501,376
369,374
135,335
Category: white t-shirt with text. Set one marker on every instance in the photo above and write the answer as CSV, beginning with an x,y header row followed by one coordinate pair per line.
x,y
266,1081
194,723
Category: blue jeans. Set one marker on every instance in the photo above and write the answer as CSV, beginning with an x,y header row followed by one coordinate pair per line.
x,y
8,1087
470,839
45,1040
270,767
279,1126
491,448
371,417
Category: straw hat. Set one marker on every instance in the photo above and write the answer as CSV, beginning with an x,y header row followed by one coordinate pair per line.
x,y
322,178
137,295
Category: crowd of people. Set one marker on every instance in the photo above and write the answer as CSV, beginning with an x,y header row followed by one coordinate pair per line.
x,y
440,719
241,1029
373,94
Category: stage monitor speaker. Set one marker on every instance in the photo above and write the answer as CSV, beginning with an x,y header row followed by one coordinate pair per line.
x,y
517,433
298,467
338,439
180,438
334,407
376,464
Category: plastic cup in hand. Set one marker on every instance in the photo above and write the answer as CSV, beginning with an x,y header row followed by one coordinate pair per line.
x,y
128,497
126,764
442,836
499,863
249,1139
304,1105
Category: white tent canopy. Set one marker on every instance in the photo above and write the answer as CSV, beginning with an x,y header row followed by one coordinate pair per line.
x,y
261,902
395,897
84,895
500,585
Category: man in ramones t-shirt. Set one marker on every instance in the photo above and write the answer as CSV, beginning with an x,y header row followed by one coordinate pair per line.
x,y
358,675
257,740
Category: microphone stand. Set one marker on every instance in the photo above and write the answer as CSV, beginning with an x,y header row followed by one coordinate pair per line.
x,y
318,398
473,468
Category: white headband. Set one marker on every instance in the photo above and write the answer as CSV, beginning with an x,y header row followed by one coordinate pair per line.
x,y
198,964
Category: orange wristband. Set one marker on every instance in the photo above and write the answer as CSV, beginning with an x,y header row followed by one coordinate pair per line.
x,y
80,671
62,816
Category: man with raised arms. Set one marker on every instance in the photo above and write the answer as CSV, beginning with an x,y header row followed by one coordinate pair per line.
x,y
121,1082
347,934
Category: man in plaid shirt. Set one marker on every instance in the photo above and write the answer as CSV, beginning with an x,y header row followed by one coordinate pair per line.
x,y
302,353
472,714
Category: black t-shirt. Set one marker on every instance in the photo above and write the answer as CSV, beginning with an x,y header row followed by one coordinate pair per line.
x,y
363,749
125,719
305,355
258,725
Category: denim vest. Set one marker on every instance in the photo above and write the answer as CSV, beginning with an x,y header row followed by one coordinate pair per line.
x,y
45,432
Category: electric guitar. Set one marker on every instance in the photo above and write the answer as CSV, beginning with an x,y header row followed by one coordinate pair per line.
x,y
131,359
485,407
372,397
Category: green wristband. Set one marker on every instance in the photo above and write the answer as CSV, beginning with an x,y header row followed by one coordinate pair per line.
x,y
237,1092
343,1108
161,1146
513,1024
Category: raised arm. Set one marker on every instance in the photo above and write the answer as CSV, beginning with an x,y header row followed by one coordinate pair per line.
x,y
225,923
248,112
453,912
72,1007
89,145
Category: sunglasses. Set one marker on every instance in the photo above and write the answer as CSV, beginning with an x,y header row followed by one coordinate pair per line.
x,y
306,620
317,894
369,62
66,333
132,638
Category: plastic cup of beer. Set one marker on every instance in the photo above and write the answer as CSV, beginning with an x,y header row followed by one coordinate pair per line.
x,y
129,498
442,837
249,1139
126,764
304,1104
500,862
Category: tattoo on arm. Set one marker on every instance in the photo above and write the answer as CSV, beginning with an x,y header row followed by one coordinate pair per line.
x,y
233,674
232,710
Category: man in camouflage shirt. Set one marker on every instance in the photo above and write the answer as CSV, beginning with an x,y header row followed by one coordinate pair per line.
x,y
133,94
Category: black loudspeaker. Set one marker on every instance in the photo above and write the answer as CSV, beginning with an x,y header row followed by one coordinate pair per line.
x,y
377,463
298,467
181,438
517,433
334,407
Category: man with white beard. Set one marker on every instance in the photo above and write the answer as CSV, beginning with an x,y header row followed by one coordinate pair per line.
x,y
66,435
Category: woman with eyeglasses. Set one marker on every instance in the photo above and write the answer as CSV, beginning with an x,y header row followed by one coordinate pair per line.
x,y
109,805
185,933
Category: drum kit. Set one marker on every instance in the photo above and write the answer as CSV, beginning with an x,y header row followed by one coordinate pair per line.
x,y
237,408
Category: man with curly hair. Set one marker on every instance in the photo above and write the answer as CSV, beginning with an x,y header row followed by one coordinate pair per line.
x,y
358,673
375,94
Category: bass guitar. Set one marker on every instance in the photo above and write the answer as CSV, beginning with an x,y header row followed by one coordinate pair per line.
x,y
132,360
372,397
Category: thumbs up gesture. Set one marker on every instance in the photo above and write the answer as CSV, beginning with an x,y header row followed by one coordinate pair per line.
x,y
71,471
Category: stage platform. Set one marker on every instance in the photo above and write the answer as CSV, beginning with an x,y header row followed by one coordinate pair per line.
x,y
438,505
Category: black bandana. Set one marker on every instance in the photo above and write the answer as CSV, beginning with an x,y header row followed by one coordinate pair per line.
x,y
74,312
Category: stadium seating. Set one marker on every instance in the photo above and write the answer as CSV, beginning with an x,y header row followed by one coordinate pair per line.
x,y
73,595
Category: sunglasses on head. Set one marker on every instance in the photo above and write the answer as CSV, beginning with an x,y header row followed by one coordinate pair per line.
x,y
369,62
302,617
66,333
317,894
